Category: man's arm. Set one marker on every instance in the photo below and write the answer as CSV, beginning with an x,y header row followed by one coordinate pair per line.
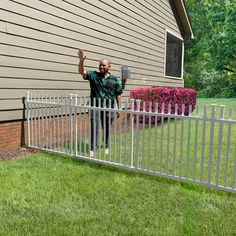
x,y
82,57
118,101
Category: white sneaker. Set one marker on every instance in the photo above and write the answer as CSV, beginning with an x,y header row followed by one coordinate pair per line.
x,y
106,151
92,154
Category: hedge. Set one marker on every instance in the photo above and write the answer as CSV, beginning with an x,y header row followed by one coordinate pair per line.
x,y
166,96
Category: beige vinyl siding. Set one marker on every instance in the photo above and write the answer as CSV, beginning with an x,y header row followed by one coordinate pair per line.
x,y
16,94
39,42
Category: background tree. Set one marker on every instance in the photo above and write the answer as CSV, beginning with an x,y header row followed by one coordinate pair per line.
x,y
210,59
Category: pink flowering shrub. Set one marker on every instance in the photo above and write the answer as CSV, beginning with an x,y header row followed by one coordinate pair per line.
x,y
165,96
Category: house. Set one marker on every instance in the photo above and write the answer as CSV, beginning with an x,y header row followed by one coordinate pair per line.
x,y
39,42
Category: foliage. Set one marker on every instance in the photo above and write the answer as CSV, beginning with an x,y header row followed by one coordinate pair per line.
x,y
212,51
165,95
169,97
216,85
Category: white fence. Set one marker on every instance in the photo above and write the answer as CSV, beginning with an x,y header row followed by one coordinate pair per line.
x,y
199,147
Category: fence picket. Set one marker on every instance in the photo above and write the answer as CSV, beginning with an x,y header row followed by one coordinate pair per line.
x,y
203,145
131,133
175,142
168,140
120,139
162,136
188,143
234,174
143,134
149,134
137,133
228,149
125,128
181,143
212,132
155,137
195,144
220,133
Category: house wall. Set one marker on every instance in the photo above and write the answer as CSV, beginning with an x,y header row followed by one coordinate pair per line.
x,y
39,42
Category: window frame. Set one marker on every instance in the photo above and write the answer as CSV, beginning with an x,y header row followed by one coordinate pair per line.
x,y
182,60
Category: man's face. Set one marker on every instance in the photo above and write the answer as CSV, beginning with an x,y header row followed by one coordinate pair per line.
x,y
104,66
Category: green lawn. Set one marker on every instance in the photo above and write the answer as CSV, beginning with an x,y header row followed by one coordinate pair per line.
x,y
47,194
231,102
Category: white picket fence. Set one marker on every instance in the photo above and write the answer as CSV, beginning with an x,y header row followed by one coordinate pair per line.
x,y
199,147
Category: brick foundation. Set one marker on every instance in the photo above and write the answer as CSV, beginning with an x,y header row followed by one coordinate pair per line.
x,y
12,135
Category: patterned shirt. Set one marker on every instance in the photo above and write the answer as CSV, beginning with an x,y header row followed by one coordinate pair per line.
x,y
104,88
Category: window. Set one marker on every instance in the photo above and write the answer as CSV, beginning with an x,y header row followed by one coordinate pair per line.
x,y
174,55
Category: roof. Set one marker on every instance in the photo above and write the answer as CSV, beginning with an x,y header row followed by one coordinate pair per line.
x,y
183,18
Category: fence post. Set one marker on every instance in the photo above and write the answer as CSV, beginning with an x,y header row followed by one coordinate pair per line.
x,y
228,147
137,133
75,124
220,133
234,174
71,122
132,133
212,130
28,116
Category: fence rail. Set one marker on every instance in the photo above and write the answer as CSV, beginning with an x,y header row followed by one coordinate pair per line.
x,y
199,147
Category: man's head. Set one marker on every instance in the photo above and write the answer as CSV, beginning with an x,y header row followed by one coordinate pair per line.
x,y
104,66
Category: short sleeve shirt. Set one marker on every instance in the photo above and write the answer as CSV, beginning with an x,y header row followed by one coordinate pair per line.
x,y
101,87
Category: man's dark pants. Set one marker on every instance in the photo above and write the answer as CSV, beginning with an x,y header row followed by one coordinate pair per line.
x,y
97,118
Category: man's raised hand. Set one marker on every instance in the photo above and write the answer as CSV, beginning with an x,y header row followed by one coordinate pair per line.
x,y
81,55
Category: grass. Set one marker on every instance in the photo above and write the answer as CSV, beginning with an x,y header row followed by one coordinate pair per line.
x,y
229,102
47,194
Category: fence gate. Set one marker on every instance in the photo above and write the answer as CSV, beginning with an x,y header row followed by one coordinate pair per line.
x,y
199,147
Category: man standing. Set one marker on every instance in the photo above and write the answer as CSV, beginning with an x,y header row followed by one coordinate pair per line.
x,y
103,86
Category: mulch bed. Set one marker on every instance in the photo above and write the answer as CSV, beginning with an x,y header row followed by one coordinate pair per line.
x,y
13,154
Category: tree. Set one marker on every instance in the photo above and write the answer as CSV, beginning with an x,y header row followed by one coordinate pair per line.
x,y
212,50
